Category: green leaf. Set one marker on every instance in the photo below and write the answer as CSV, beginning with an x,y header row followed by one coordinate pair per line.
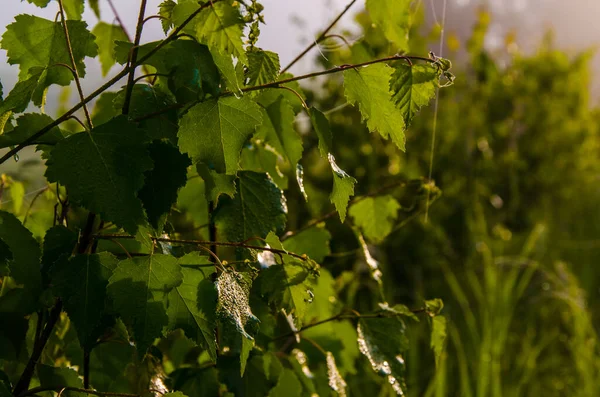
x,y
213,132
434,306
196,381
27,125
336,381
225,65
107,363
233,309
220,27
313,242
146,100
191,203
369,88
95,7
106,34
192,304
31,42
81,283
58,241
261,376
343,188
138,288
56,377
174,394
384,343
263,67
438,337
163,182
257,209
261,158
375,216
288,385
165,10
277,130
104,109
103,170
393,17
323,130
288,287
39,3
413,86
216,184
73,9
25,264
20,96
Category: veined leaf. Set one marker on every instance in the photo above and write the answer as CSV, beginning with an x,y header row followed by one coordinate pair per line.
x,y
103,170
383,342
343,188
220,27
278,131
368,87
216,184
288,287
81,283
225,65
73,9
138,288
233,310
213,132
165,10
31,42
393,17
257,208
106,35
263,67
59,241
22,93
375,216
56,377
27,125
192,304
261,158
163,182
25,252
413,86
313,242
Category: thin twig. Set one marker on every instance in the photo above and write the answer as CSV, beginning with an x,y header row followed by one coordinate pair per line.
x,y
318,39
118,18
33,202
133,57
279,83
106,85
73,63
347,316
207,244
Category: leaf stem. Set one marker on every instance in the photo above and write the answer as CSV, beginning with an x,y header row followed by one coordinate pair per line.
x,y
133,56
322,36
105,86
73,63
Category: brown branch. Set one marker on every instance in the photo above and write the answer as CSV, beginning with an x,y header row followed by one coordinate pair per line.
x,y
106,85
279,84
207,244
319,38
133,56
68,388
73,63
347,316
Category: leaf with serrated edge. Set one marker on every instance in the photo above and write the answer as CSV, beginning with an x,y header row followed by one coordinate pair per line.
x,y
103,170
413,86
31,41
138,288
27,125
368,87
343,188
220,27
257,208
322,129
214,132
375,216
192,304
106,34
25,264
81,283
263,67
